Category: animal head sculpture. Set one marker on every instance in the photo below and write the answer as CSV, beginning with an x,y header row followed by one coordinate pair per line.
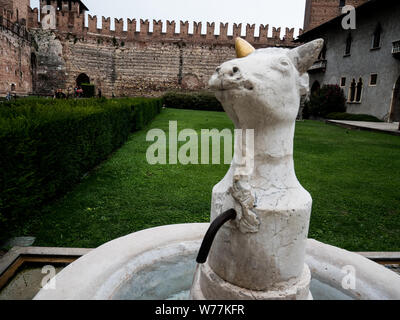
x,y
263,86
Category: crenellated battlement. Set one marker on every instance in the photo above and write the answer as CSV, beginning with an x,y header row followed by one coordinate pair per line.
x,y
157,34
73,21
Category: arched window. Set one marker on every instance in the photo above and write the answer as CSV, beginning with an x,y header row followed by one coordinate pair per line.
x,y
376,42
342,3
352,92
359,90
349,40
12,87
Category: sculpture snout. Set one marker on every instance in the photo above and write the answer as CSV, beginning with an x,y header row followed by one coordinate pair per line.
x,y
225,77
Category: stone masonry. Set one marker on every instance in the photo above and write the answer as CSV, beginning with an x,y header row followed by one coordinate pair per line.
x,y
126,63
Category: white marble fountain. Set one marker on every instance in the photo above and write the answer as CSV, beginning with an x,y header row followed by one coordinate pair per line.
x,y
261,250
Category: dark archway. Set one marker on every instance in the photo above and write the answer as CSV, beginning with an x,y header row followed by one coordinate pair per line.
x,y
395,107
82,78
315,87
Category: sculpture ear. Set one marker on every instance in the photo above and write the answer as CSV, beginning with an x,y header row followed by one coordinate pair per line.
x,y
304,56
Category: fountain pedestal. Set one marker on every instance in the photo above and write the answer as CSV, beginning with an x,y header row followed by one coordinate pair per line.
x,y
207,285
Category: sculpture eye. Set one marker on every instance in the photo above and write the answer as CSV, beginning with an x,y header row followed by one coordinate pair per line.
x,y
284,62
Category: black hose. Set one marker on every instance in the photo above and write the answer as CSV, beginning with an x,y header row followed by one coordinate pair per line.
x,y
212,232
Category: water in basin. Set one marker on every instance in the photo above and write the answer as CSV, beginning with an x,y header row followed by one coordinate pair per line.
x,y
171,278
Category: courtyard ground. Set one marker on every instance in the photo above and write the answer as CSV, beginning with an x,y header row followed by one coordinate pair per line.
x,y
353,177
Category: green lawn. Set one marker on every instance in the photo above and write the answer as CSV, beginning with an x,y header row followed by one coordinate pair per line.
x,y
353,177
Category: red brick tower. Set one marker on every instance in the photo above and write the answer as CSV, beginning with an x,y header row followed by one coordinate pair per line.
x,y
319,11
70,14
19,9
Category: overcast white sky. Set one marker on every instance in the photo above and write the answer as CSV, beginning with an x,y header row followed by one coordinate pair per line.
x,y
278,13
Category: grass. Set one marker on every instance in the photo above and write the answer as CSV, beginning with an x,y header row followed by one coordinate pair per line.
x,y
353,177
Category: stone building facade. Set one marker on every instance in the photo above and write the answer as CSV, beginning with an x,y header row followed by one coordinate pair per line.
x,y
127,62
365,62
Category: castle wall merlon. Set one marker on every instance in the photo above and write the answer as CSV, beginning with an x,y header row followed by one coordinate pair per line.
x,y
237,30
144,27
250,32
157,28
92,24
289,34
33,18
106,25
276,33
197,26
131,29
119,27
210,30
263,35
223,31
184,31
171,27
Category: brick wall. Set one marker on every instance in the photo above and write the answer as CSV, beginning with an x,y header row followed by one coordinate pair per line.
x,y
15,62
135,62
138,62
20,9
319,11
143,68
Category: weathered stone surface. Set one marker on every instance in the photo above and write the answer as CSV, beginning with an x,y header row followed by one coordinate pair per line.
x,y
51,71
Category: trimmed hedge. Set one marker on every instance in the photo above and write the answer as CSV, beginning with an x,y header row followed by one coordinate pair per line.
x,y
48,145
352,117
193,101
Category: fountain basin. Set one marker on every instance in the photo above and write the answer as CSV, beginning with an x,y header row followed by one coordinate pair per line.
x,y
159,263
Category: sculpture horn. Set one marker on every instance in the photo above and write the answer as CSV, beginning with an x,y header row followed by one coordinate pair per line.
x,y
243,48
